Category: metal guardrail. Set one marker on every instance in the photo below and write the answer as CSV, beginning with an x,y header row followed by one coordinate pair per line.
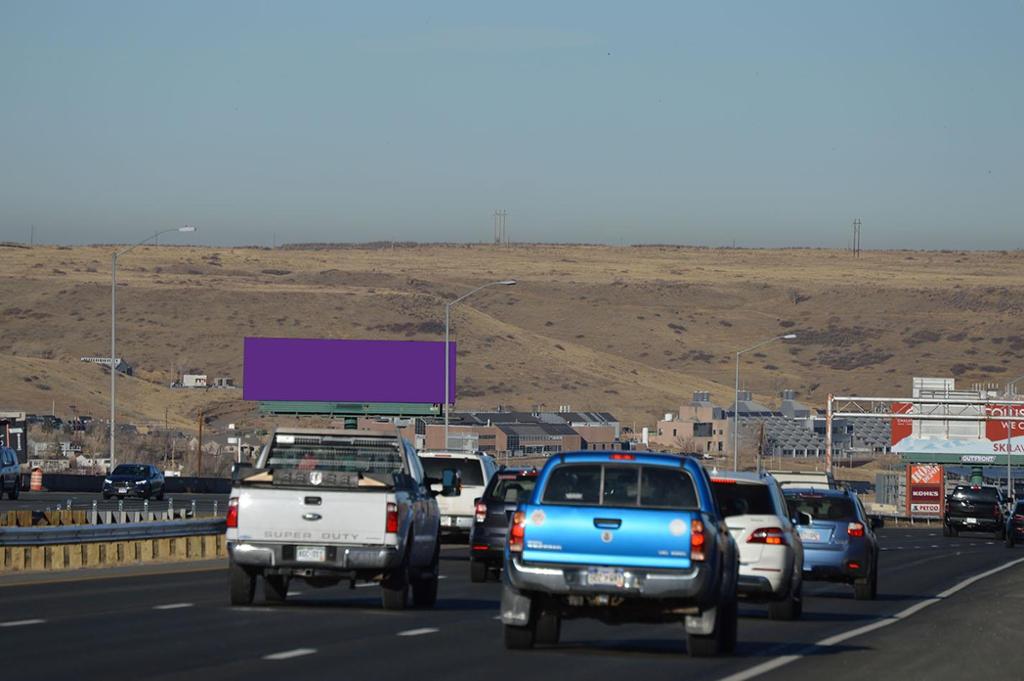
x,y
81,534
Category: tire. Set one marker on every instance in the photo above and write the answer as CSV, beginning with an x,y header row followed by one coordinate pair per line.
x,y
789,609
953,531
424,587
275,588
520,638
548,629
242,584
394,588
477,571
867,588
1010,540
722,640
946,531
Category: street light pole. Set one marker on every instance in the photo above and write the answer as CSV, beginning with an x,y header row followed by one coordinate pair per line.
x,y
113,327
447,336
1009,432
736,397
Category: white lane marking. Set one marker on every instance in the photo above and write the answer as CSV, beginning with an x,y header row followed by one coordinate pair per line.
x,y
419,632
21,623
772,665
289,654
172,606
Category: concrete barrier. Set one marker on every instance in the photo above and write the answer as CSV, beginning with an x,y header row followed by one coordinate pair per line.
x,y
110,554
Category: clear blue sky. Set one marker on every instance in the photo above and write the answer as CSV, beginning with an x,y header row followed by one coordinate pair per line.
x,y
763,122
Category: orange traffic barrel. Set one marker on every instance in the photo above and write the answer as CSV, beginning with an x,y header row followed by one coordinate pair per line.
x,y
36,482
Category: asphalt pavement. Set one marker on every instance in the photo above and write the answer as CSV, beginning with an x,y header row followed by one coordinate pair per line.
x,y
48,501
177,624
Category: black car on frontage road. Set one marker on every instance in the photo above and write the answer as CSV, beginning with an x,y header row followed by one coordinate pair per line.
x,y
134,480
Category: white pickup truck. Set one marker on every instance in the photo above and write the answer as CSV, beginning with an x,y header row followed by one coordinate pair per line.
x,y
329,506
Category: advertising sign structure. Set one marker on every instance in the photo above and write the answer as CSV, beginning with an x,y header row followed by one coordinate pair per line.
x,y
325,370
925,493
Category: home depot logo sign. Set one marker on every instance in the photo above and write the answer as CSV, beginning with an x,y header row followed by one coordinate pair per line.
x,y
928,474
924,489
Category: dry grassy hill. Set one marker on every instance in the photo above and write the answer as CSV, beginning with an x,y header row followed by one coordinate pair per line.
x,y
633,330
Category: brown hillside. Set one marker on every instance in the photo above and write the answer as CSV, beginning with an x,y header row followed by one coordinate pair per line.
x,y
633,330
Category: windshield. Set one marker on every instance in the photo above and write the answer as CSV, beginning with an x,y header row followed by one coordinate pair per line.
x,y
333,453
822,508
471,471
743,499
513,490
598,485
132,470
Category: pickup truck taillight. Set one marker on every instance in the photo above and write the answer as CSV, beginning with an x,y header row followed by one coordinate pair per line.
x,y
232,519
1018,518
855,529
696,540
391,521
481,512
517,532
767,535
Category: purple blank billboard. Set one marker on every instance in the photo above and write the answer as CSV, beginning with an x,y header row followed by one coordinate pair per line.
x,y
320,370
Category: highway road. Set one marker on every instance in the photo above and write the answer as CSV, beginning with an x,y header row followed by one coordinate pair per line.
x,y
178,625
41,501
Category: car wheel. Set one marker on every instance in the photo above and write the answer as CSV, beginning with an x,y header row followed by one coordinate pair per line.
x,y
521,638
275,588
424,587
864,589
1010,539
394,588
789,609
549,628
946,531
242,582
477,571
722,640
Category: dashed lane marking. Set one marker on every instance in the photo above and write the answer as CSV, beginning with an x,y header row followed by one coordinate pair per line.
x,y
172,606
289,654
419,632
831,641
21,623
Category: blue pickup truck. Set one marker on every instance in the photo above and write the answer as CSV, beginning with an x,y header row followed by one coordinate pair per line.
x,y
620,537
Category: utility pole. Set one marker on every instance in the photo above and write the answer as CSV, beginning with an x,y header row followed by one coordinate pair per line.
x,y
500,227
856,238
199,452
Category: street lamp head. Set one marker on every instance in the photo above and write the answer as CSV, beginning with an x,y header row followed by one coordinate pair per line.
x,y
186,228
507,282
789,336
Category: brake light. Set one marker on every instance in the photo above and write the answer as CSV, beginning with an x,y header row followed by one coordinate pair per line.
x,y
1018,518
767,535
723,481
391,521
853,565
855,529
696,540
517,532
232,519
622,457
481,512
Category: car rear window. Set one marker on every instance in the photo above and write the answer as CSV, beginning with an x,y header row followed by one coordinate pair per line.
x,y
736,498
471,471
513,490
822,507
616,485
988,495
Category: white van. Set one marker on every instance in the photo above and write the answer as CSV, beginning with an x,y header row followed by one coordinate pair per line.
x,y
475,470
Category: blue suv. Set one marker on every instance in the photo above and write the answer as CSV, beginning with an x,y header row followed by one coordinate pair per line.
x,y
620,537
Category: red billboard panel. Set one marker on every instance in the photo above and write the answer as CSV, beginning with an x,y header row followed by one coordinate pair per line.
x,y
996,430
925,489
901,428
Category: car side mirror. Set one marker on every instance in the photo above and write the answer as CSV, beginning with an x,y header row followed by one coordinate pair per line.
x,y
451,484
802,518
877,522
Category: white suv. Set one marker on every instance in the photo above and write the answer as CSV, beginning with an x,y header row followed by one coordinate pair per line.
x,y
771,555
475,470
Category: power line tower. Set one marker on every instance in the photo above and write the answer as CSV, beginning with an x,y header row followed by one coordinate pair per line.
x,y
856,238
500,227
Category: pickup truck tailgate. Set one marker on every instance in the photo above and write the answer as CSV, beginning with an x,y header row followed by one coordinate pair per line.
x,y
313,515
602,535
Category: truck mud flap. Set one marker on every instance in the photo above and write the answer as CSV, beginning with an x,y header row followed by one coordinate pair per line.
x,y
698,625
515,607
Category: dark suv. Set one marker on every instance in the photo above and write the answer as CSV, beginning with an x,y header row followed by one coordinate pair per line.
x,y
10,473
507,488
974,508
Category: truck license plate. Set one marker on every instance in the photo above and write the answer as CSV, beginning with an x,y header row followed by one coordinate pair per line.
x,y
971,521
606,577
311,554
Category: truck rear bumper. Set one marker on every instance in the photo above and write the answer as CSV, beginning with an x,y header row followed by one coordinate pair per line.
x,y
694,583
338,558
